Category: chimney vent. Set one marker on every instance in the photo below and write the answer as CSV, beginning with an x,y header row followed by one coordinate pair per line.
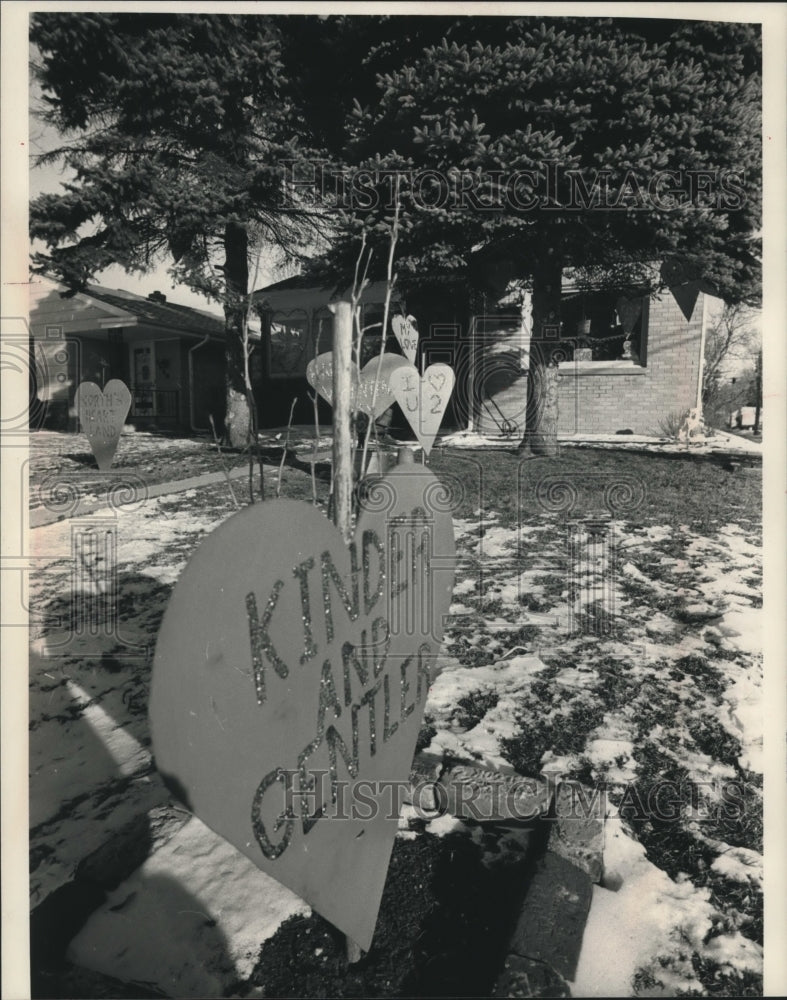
x,y
157,297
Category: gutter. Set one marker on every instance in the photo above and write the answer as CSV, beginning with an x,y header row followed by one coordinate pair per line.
x,y
702,353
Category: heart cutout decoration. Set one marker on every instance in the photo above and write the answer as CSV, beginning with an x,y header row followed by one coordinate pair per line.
x,y
686,296
379,370
101,416
406,332
363,398
289,683
423,399
319,375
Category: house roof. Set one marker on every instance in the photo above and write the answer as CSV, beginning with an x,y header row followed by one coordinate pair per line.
x,y
97,308
157,313
301,293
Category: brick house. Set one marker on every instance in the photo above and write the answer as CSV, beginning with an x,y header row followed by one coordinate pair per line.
x,y
170,356
623,364
656,385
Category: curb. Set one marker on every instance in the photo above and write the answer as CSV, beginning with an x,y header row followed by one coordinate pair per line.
x,y
544,947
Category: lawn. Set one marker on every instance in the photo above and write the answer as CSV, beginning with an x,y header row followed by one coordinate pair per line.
x,y
605,627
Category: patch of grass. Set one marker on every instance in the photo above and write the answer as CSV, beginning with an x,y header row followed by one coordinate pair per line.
x,y
705,676
667,604
713,739
615,688
583,772
553,584
738,818
471,655
653,805
473,707
740,902
562,733
723,981
426,734
533,603
656,706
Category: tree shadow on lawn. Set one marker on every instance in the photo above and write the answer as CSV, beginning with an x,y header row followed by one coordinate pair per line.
x,y
74,787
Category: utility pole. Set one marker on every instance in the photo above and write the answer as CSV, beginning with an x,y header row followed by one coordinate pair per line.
x,y
758,404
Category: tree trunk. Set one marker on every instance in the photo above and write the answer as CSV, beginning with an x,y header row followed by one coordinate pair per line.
x,y
540,437
237,419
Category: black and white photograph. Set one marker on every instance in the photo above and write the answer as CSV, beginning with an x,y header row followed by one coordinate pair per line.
x,y
393,500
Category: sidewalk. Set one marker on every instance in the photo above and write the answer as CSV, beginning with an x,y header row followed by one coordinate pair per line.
x,y
42,516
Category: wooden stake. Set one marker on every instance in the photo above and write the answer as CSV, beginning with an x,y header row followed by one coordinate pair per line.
x,y
342,438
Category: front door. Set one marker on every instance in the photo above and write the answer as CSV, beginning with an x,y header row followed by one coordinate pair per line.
x,y
143,367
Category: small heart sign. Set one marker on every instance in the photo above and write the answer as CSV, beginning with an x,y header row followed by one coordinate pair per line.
x,y
423,399
406,332
379,370
102,415
319,375
289,682
363,398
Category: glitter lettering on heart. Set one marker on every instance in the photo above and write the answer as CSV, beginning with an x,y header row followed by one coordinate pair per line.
x,y
101,416
289,683
363,395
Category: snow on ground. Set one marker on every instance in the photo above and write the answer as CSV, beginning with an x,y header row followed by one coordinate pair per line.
x,y
683,656
670,680
190,919
718,441
649,927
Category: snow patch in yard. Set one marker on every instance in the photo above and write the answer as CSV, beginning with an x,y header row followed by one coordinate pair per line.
x,y
742,714
649,917
505,677
498,542
746,628
190,920
509,679
446,824
740,864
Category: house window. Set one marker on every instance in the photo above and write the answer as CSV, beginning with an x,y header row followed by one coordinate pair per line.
x,y
289,346
602,327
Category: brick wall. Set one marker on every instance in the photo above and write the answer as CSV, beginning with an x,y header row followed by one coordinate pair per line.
x,y
667,383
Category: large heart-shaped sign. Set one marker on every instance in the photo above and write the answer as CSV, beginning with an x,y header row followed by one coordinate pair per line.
x,y
102,415
363,396
405,330
290,679
423,399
